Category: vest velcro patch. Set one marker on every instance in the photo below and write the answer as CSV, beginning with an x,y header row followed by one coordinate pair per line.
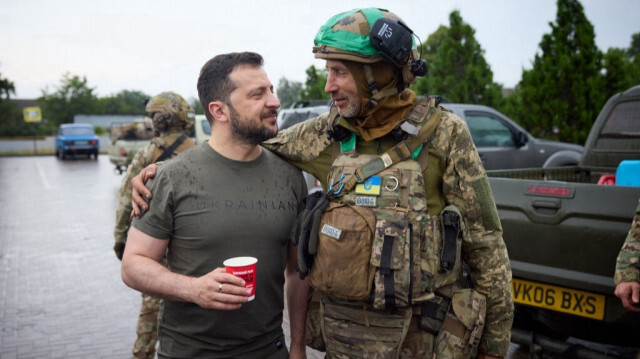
x,y
366,201
331,231
370,186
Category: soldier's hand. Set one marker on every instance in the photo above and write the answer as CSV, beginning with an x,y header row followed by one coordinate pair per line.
x,y
219,290
140,194
119,249
629,294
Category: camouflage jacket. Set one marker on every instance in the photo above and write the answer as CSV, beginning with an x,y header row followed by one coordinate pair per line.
x,y
628,263
144,157
462,182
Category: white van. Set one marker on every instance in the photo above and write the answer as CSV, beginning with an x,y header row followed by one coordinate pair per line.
x,y
202,129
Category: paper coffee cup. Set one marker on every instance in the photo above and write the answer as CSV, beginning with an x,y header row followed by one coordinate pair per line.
x,y
245,268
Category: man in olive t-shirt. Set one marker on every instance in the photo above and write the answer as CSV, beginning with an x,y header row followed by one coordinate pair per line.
x,y
225,198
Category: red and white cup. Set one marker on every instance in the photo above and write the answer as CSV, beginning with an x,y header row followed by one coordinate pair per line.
x,y
245,268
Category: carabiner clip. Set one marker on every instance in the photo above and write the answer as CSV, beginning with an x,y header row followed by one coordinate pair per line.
x,y
337,192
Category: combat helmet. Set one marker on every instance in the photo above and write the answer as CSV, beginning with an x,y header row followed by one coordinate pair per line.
x,y
169,110
367,36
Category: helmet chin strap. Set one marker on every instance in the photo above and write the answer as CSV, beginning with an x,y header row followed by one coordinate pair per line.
x,y
376,95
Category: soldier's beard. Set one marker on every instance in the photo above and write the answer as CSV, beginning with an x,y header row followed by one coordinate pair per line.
x,y
248,131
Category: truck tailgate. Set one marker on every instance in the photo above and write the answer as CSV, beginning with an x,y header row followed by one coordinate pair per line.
x,y
553,230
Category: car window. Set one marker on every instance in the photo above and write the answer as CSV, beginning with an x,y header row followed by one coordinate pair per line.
x,y
206,127
77,131
488,131
621,131
291,118
623,121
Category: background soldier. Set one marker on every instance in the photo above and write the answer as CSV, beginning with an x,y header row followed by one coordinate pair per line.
x,y
627,275
172,119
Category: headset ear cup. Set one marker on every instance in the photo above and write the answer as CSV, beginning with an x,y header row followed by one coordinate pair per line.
x,y
419,67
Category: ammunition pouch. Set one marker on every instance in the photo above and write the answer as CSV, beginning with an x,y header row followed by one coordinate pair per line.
x,y
457,322
392,257
448,235
346,231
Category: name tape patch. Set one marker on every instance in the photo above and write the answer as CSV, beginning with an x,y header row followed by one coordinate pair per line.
x,y
366,201
331,231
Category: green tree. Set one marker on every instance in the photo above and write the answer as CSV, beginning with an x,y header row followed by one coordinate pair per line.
x,y
72,97
196,106
428,51
11,119
125,102
6,88
563,91
633,54
288,92
459,70
314,86
617,70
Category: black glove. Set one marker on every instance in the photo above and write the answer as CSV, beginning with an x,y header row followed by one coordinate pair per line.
x,y
119,249
305,231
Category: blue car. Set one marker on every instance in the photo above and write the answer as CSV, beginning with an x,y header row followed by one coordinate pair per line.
x,y
77,139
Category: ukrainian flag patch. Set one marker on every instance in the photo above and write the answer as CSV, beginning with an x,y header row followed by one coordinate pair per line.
x,y
370,186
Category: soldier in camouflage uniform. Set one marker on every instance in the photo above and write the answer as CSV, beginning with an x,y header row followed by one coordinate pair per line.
x,y
371,100
172,119
437,317
627,276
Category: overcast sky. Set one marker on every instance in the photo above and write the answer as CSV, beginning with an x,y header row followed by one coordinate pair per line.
x,y
158,45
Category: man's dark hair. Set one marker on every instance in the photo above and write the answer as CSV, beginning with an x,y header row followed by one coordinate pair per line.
x,y
214,83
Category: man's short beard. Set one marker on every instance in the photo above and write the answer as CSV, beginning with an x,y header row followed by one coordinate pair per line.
x,y
352,110
246,131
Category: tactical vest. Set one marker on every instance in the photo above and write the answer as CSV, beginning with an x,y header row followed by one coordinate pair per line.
x,y
377,241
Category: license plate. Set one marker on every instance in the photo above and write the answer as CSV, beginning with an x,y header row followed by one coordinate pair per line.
x,y
80,143
559,299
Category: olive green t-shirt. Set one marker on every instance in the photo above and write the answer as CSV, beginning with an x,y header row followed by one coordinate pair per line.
x,y
212,208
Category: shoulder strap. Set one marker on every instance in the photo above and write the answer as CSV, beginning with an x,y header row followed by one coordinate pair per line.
x,y
169,150
397,153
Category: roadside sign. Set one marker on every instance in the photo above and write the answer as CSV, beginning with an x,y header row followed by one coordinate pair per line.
x,y
32,114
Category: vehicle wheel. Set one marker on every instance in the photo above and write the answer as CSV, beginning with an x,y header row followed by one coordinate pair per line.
x,y
61,154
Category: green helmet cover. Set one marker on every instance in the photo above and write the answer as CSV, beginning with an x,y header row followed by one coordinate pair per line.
x,y
343,36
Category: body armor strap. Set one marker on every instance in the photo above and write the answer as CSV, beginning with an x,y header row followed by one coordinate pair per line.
x,y
169,150
397,153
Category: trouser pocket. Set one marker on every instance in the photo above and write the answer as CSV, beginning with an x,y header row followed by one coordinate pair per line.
x,y
313,333
355,332
458,322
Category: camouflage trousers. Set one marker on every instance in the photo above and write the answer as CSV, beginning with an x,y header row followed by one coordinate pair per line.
x,y
348,331
147,328
417,344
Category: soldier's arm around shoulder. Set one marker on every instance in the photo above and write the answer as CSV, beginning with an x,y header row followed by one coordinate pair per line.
x,y
465,185
302,142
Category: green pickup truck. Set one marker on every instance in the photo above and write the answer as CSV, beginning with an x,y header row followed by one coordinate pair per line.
x,y
564,227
